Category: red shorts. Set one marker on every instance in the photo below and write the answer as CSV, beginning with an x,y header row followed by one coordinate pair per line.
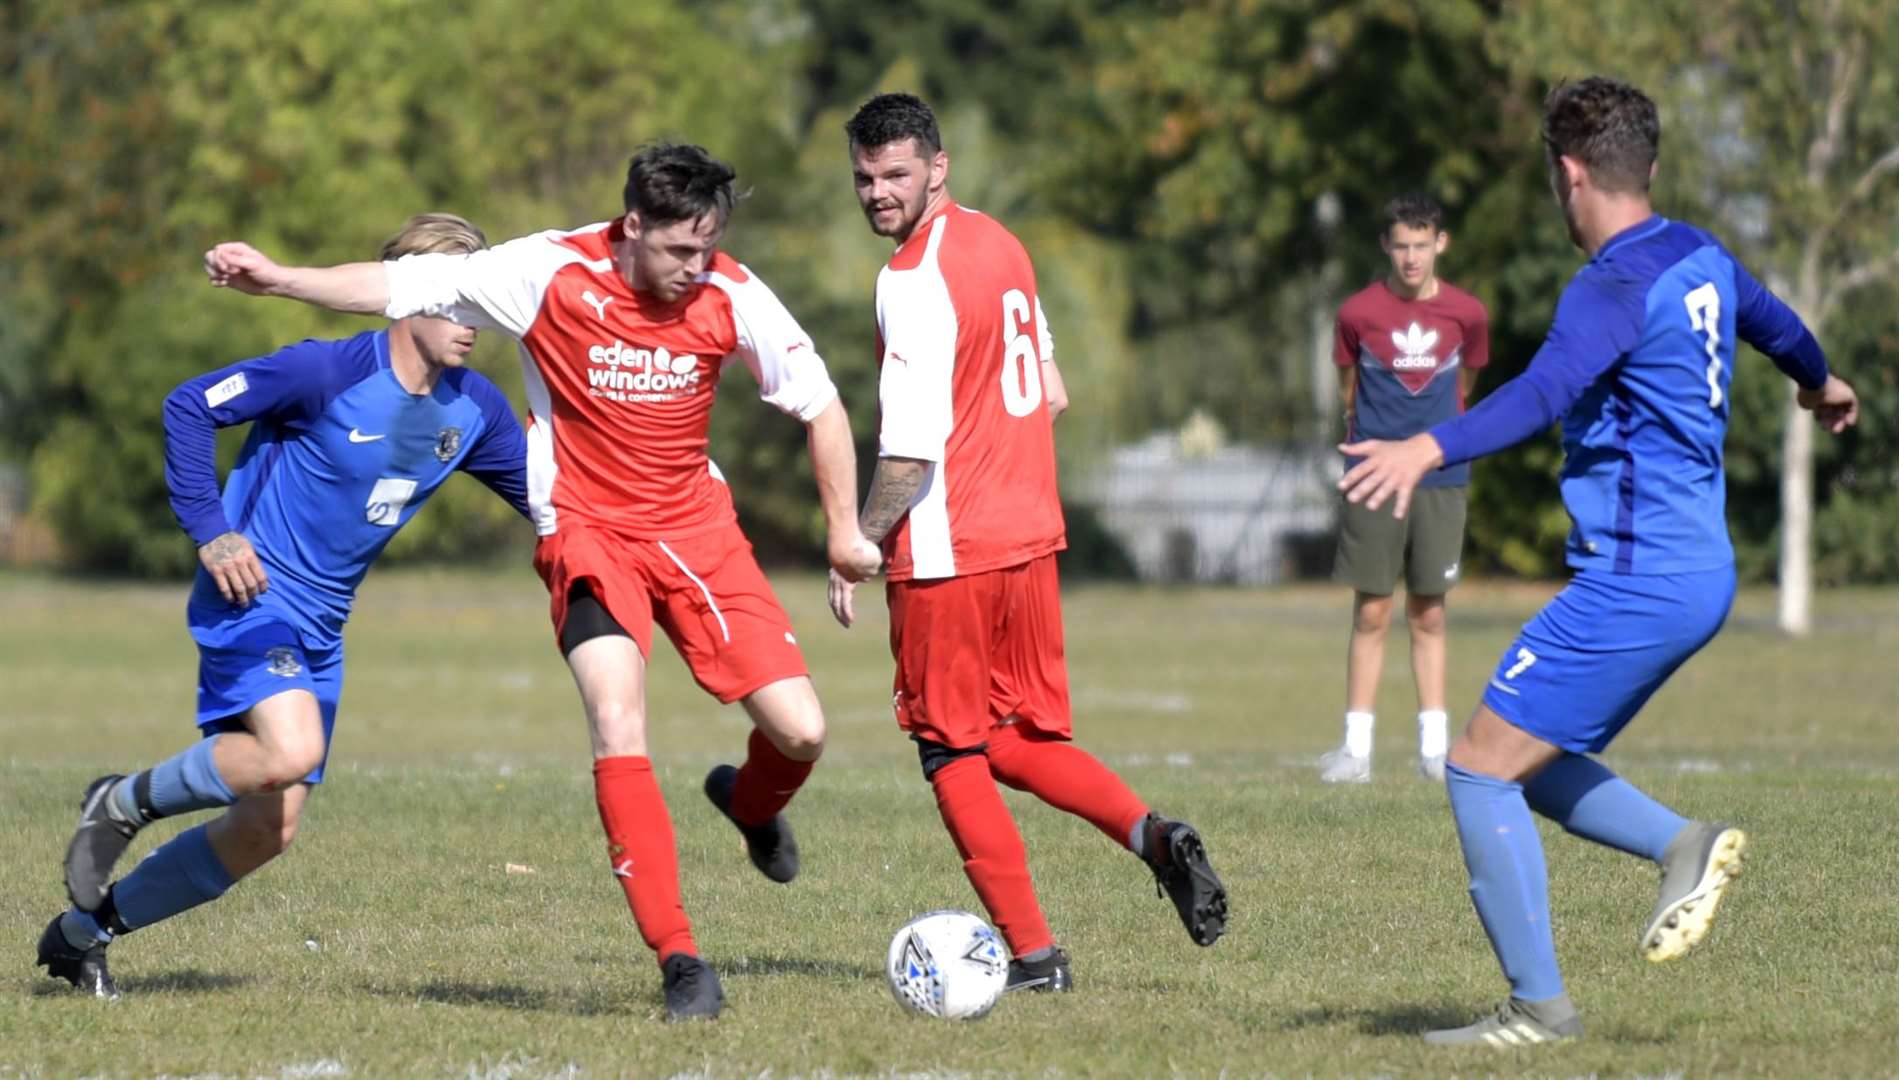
x,y
974,651
706,591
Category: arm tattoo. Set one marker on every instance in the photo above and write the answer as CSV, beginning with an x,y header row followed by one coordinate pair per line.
x,y
892,489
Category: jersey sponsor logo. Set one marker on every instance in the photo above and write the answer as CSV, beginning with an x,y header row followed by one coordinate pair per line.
x,y
226,390
447,442
597,303
356,435
386,501
622,372
1414,348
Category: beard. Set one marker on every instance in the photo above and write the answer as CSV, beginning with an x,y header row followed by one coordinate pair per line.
x,y
897,220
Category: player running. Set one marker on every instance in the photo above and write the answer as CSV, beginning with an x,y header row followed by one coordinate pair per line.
x,y
964,502
625,328
348,440
1637,364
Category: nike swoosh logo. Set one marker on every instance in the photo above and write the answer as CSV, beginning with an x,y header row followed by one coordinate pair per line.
x,y
357,436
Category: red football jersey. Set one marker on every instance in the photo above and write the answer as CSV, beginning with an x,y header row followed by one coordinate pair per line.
x,y
962,336
620,385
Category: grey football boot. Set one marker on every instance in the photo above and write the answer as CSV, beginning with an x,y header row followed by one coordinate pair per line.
x,y
101,837
1516,1023
1696,869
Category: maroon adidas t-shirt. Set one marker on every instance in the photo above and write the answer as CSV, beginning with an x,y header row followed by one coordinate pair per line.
x,y
1408,354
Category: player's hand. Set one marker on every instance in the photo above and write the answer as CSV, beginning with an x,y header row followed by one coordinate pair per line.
x,y
842,596
855,558
1390,470
237,265
234,565
1834,406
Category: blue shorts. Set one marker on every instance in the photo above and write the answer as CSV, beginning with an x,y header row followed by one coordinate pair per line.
x,y
1589,661
262,659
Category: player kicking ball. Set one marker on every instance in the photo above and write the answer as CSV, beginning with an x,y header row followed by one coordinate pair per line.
x,y
1637,366
965,504
348,440
625,328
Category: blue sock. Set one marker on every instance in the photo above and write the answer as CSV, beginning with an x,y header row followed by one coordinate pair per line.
x,y
82,930
1584,797
184,782
179,876
1508,882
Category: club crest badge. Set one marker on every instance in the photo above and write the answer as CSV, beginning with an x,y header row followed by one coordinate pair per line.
x,y
283,662
448,442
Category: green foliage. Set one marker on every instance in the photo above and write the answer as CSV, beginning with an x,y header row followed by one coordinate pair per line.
x,y
1198,182
1780,131
312,131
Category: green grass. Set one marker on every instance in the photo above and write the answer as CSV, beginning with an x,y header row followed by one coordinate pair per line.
x,y
393,941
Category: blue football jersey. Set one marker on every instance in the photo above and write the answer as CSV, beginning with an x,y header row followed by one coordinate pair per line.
x,y
1637,364
339,457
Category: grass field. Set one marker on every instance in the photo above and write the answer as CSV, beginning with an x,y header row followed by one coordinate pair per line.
x,y
394,940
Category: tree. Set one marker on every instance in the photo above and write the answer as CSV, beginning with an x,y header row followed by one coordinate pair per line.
x,y
1783,119
139,134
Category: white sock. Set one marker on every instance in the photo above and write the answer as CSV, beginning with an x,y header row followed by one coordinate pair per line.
x,y
1434,736
1358,728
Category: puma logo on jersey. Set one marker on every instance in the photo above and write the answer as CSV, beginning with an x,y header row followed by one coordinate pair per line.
x,y
597,303
1414,348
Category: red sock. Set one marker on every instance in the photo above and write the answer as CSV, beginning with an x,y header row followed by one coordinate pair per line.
x,y
993,855
766,782
640,850
1066,777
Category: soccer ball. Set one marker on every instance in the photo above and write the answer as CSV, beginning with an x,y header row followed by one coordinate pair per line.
x,y
947,964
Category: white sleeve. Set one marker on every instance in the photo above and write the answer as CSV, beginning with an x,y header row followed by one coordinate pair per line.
x,y
791,375
917,321
499,288
1043,338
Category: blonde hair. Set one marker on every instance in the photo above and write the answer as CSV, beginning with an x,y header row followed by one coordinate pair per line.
x,y
426,234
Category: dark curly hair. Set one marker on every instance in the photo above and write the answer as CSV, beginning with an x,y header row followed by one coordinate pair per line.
x,y
889,118
1609,126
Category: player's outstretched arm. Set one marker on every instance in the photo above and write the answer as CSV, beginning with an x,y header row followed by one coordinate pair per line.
x,y
1389,470
1834,405
356,288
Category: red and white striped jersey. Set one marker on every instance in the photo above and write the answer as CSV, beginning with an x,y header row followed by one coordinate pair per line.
x,y
620,385
962,336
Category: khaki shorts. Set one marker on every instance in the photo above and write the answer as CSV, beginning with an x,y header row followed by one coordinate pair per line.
x,y
1427,547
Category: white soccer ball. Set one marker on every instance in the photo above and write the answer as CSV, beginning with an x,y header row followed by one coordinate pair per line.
x,y
947,964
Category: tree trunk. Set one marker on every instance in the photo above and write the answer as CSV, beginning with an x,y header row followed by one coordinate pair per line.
x,y
1796,519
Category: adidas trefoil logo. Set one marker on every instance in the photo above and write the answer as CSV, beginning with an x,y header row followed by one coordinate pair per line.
x,y
1414,348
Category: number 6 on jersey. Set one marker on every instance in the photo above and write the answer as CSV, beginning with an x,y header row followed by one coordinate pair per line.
x,y
1021,367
